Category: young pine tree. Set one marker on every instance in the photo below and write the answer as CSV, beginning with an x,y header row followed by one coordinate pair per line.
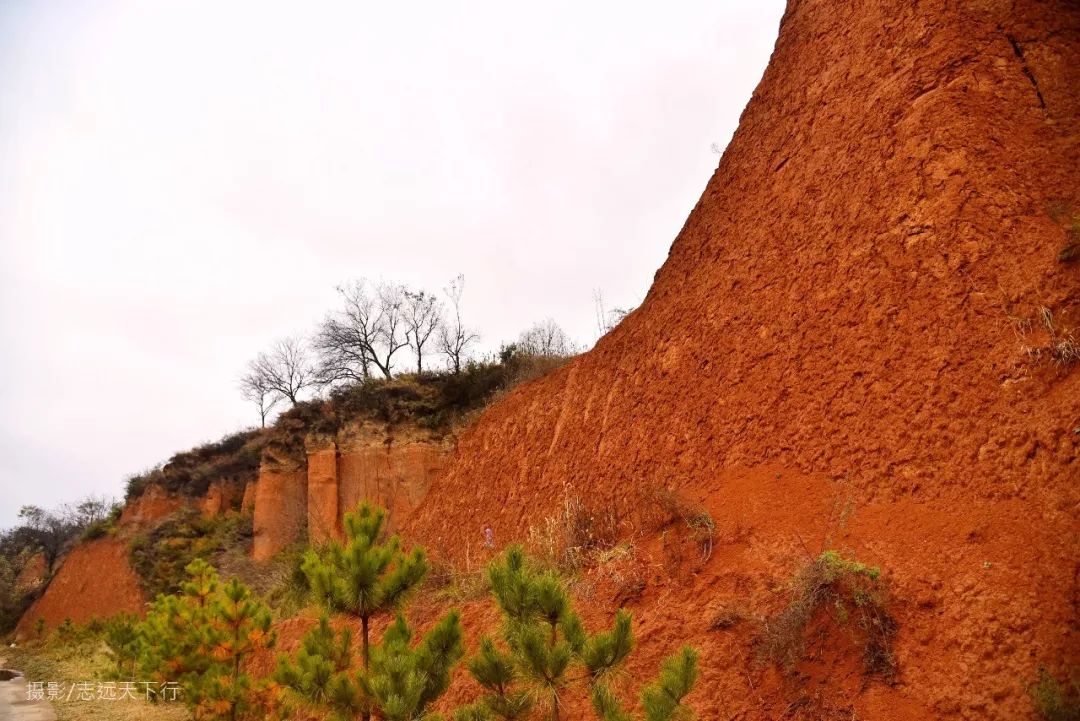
x,y
323,673
661,700
122,640
547,647
404,680
200,639
365,577
401,683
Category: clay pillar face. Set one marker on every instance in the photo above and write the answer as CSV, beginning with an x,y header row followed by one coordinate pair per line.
x,y
247,505
280,508
322,484
213,502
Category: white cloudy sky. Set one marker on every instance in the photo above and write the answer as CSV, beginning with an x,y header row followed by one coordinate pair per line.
x,y
182,182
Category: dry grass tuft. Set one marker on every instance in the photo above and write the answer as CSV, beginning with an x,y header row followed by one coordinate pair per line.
x,y
576,536
1054,700
726,618
452,584
1061,346
696,517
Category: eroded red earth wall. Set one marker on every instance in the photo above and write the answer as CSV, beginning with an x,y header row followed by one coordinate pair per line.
x,y
95,580
848,345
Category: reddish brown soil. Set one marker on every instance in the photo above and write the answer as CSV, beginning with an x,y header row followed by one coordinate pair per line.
x,y
846,348
280,507
845,321
152,505
366,463
94,581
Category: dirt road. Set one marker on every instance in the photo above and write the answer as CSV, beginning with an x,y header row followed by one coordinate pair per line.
x,y
13,703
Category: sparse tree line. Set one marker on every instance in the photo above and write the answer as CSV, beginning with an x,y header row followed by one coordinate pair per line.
x,y
363,339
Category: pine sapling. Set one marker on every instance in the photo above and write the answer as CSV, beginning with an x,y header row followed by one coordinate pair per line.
x,y
403,681
362,578
661,700
200,639
122,640
545,642
367,575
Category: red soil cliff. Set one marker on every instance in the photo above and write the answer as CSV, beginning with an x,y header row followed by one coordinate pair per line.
x,y
94,581
364,463
280,511
860,313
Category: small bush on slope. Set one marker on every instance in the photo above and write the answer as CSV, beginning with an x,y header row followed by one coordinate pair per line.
x,y
854,592
190,473
160,554
1056,701
697,518
121,636
104,527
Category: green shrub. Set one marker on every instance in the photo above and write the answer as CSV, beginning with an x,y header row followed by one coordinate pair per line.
x,y
202,638
234,458
284,586
856,596
121,636
13,600
1056,701
160,554
100,529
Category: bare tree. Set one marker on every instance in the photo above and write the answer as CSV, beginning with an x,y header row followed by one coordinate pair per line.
x,y
52,532
391,330
607,319
286,369
255,387
366,332
346,340
92,509
423,315
454,337
546,338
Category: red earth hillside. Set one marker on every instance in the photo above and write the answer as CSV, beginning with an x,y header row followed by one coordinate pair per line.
x,y
94,581
859,339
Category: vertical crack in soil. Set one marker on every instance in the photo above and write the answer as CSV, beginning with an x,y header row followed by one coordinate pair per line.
x,y
1027,70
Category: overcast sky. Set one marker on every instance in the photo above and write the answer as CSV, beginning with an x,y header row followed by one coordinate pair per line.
x,y
183,182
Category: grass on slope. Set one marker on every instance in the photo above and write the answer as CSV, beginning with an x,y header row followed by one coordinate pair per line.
x,y
83,660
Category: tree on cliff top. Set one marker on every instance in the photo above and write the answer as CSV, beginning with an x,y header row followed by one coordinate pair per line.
x,y
423,316
52,531
286,370
368,330
255,388
454,337
546,338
